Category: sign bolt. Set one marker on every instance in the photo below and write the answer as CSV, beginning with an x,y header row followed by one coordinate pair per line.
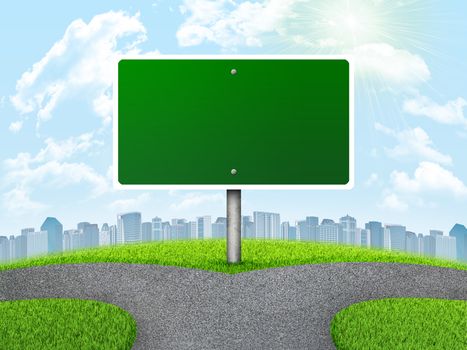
x,y
233,171
233,71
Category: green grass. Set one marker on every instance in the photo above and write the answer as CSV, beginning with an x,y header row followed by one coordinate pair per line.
x,y
64,324
405,323
211,255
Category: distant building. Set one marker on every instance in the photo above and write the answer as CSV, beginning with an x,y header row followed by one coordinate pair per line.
x,y
435,233
386,238
4,250
156,229
37,243
54,230
376,234
219,228
362,237
204,227
21,247
446,247
146,234
285,230
113,234
349,229
429,246
90,234
330,232
460,233
267,225
104,235
248,227
411,243
177,231
192,229
397,234
129,227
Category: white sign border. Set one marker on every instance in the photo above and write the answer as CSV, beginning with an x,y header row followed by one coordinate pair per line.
x,y
348,186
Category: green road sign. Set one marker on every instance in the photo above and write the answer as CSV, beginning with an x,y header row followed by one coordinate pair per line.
x,y
243,122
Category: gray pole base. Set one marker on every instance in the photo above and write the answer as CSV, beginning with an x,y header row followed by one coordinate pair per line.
x,y
234,213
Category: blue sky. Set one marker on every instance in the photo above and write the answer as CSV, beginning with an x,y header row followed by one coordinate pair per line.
x,y
411,102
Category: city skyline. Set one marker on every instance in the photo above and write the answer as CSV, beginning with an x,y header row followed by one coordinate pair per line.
x,y
130,228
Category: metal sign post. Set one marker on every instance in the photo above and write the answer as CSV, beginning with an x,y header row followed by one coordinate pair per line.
x,y
234,212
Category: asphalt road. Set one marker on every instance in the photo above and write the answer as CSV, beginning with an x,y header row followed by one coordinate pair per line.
x,y
280,308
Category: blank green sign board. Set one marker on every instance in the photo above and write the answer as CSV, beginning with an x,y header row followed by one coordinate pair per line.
x,y
190,121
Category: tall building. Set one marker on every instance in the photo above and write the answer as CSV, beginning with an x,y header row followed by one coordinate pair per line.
x,y
90,234
411,243
21,247
435,233
192,229
420,244
129,227
285,231
165,230
178,231
54,230
446,247
307,230
362,237
267,225
146,231
4,250
204,227
37,243
398,240
104,235
376,234
386,238
73,240
248,227
460,233
429,246
113,234
330,232
349,229
219,228
156,229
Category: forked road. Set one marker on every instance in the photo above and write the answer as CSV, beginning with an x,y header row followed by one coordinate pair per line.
x,y
281,308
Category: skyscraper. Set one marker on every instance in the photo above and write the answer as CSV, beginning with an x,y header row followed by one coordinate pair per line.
x,y
104,235
376,234
129,227
54,230
4,249
445,247
204,227
156,229
330,232
267,225
37,243
460,233
429,246
411,243
146,234
349,229
219,228
90,234
397,234
248,227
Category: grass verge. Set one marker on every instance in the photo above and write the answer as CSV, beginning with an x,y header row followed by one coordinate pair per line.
x,y
402,323
64,324
211,255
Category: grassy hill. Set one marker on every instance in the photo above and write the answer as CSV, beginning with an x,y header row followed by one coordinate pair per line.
x,y
211,255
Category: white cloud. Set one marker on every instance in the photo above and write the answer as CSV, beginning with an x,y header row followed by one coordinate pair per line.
x,y
18,201
194,199
413,142
451,113
428,177
395,66
131,204
393,202
16,126
48,168
243,24
372,179
80,63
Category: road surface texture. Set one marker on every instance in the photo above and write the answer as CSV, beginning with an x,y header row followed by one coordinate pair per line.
x,y
279,308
